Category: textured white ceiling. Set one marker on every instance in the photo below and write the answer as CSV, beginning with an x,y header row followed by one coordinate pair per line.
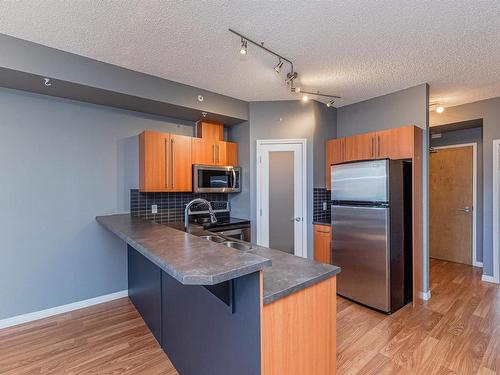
x,y
355,49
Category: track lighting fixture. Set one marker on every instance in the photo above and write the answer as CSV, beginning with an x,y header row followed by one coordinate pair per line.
x,y
244,46
291,76
277,68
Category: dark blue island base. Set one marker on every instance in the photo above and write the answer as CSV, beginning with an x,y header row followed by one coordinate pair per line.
x,y
200,333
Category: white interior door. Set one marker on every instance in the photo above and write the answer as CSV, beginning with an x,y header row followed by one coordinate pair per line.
x,y
281,196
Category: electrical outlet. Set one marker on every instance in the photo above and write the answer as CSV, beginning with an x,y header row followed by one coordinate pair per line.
x,y
154,208
324,206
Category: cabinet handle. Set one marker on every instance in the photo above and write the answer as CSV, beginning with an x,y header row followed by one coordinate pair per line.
x,y
166,163
371,147
173,161
323,231
378,146
213,146
218,150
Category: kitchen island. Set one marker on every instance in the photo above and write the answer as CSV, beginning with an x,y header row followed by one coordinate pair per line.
x,y
217,310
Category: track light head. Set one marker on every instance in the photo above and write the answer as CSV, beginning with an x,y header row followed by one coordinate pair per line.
x,y
244,46
277,68
290,77
330,103
305,98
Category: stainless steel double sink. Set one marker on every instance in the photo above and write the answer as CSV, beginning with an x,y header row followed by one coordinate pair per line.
x,y
228,243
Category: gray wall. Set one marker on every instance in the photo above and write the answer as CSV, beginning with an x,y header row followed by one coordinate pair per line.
x,y
473,135
405,107
62,163
489,111
292,119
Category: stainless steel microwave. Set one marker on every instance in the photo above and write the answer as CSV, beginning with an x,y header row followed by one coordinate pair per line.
x,y
216,179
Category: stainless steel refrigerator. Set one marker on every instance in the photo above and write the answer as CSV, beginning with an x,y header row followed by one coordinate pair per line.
x,y
371,232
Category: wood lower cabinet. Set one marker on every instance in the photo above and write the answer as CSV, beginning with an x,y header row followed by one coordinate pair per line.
x,y
395,143
164,162
323,243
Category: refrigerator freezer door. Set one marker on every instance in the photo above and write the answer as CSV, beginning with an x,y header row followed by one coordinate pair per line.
x,y
360,246
364,181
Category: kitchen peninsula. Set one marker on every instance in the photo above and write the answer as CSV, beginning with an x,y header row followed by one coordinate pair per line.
x,y
217,310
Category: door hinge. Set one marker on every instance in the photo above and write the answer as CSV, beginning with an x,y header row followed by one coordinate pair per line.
x,y
260,159
260,212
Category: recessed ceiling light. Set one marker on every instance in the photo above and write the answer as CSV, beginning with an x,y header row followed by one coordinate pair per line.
x,y
305,98
244,46
439,109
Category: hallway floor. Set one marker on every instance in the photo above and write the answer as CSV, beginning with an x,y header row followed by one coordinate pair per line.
x,y
456,332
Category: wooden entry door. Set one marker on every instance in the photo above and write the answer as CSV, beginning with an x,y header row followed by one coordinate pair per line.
x,y
451,200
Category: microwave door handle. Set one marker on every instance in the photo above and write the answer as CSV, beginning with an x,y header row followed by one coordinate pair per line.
x,y
234,178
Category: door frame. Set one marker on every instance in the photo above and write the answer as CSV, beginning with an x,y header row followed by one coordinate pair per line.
x,y
268,142
475,263
496,216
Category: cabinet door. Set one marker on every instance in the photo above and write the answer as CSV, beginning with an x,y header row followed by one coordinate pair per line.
x,y
213,131
360,147
153,151
203,151
395,143
322,243
333,155
181,175
226,154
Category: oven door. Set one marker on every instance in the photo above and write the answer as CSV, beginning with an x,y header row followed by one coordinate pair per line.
x,y
211,179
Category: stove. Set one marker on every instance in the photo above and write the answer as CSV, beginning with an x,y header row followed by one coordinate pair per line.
x,y
225,225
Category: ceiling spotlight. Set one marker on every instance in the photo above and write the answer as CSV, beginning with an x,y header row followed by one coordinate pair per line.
x,y
244,45
330,103
439,109
305,98
290,77
277,68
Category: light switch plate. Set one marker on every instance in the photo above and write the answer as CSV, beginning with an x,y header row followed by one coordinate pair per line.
x,y
154,208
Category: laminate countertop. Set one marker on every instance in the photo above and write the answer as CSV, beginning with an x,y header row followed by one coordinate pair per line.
x,y
195,261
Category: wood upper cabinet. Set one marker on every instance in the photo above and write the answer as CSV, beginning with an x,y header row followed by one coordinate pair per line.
x,y
334,155
213,131
323,243
153,161
227,154
395,143
208,152
164,162
181,174
204,151
360,147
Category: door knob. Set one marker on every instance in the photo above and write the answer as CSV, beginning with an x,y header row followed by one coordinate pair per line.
x,y
466,209
296,219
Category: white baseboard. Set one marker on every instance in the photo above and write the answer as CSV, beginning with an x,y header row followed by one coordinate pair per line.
x,y
425,295
489,279
477,264
25,318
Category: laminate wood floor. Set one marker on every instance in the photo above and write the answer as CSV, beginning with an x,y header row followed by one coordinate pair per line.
x,y
110,338
456,332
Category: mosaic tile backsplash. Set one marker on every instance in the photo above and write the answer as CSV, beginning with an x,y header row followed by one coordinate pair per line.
x,y
322,195
170,205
